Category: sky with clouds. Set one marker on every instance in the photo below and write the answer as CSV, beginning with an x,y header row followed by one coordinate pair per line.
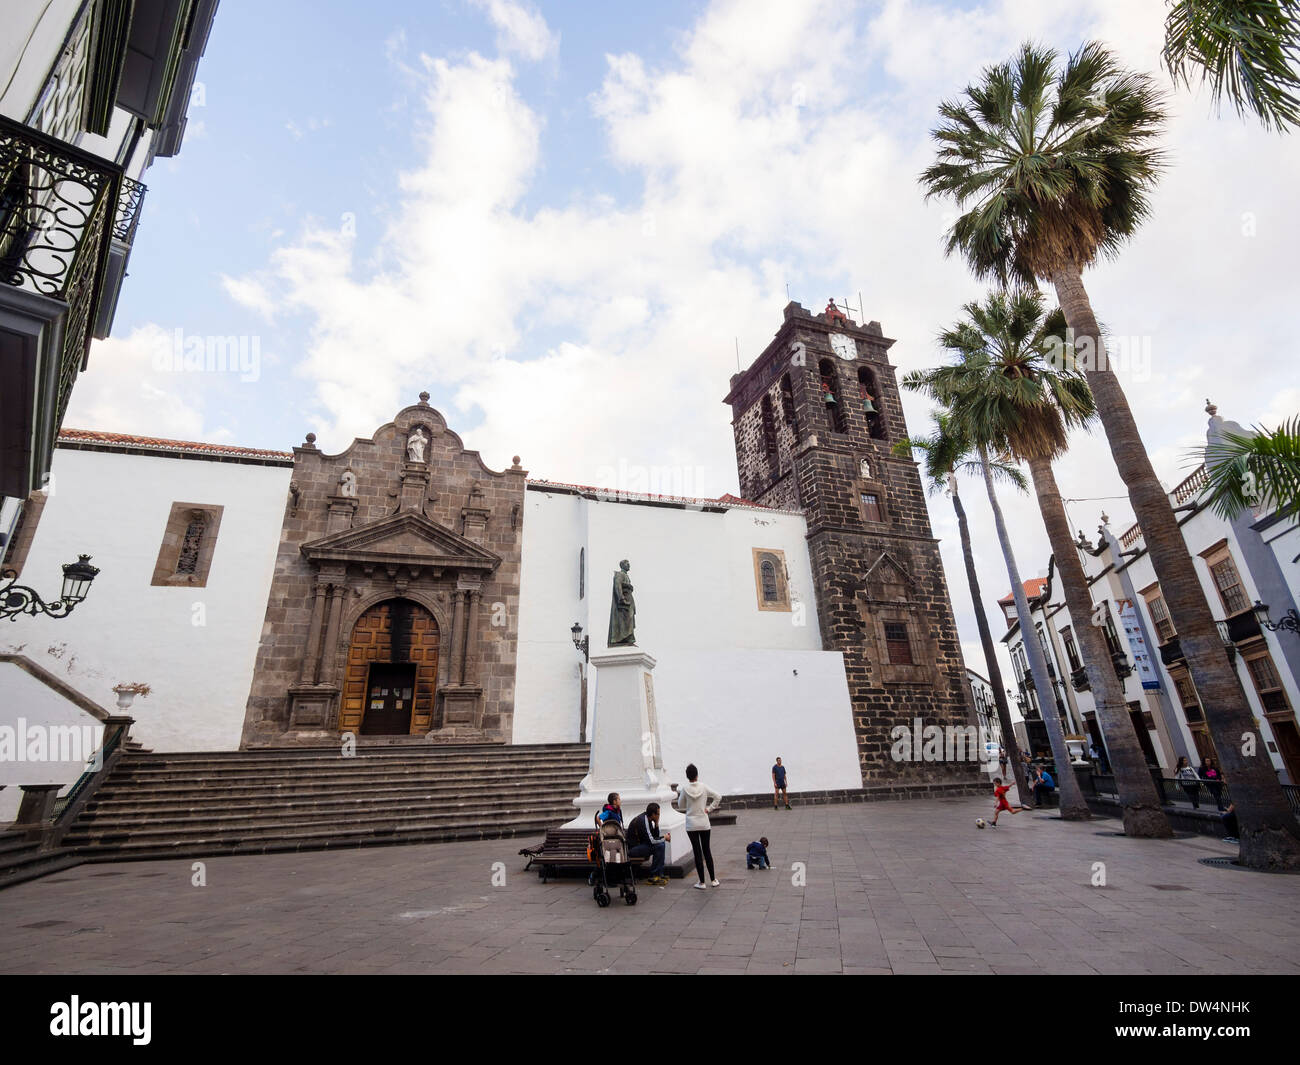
x,y
564,221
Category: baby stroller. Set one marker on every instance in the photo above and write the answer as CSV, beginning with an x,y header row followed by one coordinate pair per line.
x,y
607,847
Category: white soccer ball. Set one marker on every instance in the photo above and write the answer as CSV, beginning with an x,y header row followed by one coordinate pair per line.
x,y
980,822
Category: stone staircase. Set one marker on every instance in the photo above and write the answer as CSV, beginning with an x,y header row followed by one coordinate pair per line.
x,y
169,805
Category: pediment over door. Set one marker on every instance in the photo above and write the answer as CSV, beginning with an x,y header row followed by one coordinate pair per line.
x,y
404,539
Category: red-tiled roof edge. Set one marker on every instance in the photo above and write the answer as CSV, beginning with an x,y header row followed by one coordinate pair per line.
x,y
1034,586
725,500
156,443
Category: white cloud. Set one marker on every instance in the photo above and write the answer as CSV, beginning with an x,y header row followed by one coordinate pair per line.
x,y
123,390
520,29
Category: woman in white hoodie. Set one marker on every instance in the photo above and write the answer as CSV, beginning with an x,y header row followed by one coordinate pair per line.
x,y
696,801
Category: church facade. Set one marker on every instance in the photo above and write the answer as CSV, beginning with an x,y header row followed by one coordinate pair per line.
x,y
377,620
407,593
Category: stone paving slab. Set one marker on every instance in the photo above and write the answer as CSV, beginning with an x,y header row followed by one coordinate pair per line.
x,y
907,887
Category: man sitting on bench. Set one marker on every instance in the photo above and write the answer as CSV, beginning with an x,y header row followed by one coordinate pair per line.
x,y
644,841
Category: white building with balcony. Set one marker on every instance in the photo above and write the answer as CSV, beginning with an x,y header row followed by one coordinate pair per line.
x,y
91,92
1245,566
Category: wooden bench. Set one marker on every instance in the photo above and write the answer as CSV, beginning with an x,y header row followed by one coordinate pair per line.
x,y
565,848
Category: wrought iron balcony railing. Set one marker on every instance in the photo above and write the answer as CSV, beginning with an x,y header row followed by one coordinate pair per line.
x,y
57,209
128,210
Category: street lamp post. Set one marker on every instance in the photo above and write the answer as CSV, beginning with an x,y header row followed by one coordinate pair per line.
x,y
18,599
1290,621
580,641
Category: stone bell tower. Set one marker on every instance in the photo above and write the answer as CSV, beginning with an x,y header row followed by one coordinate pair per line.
x,y
393,606
815,418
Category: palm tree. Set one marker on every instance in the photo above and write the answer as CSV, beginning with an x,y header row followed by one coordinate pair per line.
x,y
944,454
1246,470
1052,170
1010,398
1248,50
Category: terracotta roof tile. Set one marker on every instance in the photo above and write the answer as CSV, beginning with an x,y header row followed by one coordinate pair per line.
x,y
154,443
725,500
1033,588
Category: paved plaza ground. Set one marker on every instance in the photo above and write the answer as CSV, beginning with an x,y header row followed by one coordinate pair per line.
x,y
891,888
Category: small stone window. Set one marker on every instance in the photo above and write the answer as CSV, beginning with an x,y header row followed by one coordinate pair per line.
x,y
898,644
771,583
189,542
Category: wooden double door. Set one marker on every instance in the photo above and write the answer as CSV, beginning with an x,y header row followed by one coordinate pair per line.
x,y
392,670
390,699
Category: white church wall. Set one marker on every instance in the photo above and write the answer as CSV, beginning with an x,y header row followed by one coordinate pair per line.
x,y
725,668
194,646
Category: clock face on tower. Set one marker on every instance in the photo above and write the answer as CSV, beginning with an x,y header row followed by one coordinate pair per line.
x,y
844,346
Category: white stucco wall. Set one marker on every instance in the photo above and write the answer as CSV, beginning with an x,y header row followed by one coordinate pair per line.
x,y
725,686
195,647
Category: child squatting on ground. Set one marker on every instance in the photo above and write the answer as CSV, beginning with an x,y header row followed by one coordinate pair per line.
x,y
756,855
1000,793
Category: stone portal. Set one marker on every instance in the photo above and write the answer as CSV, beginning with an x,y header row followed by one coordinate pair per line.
x,y
394,606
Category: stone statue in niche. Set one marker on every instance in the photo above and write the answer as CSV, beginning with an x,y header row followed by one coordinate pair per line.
x,y
415,445
865,469
348,485
622,611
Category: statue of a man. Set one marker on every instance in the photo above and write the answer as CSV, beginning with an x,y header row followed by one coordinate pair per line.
x,y
622,612
415,445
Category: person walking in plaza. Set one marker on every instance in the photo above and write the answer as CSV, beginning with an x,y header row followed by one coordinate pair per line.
x,y
778,786
1190,780
1002,761
697,801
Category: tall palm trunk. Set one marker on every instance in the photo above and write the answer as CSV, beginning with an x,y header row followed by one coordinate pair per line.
x,y
1143,815
1073,806
1270,836
986,641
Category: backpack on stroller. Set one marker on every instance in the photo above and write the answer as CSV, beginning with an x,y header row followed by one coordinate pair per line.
x,y
607,847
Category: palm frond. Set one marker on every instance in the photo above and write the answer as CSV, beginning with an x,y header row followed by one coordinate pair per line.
x,y
1259,469
1248,51
1049,167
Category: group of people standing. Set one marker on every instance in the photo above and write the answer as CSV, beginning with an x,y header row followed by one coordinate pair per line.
x,y
644,840
1191,780
696,801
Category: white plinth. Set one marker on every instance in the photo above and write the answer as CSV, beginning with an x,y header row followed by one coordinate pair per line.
x,y
625,749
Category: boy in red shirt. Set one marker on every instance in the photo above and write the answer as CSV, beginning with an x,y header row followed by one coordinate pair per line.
x,y
1000,793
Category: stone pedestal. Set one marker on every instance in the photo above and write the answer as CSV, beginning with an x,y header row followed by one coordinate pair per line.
x,y
625,747
313,707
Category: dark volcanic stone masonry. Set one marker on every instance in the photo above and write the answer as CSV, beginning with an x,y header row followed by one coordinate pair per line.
x,y
405,541
808,439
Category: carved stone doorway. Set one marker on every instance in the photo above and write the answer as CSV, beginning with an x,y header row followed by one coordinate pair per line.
x,y
393,649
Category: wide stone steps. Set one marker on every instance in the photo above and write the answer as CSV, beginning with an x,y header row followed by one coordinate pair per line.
x,y
154,799
22,860
308,810
195,804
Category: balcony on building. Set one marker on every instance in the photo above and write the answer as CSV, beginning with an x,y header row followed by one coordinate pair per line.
x,y
1171,651
59,208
